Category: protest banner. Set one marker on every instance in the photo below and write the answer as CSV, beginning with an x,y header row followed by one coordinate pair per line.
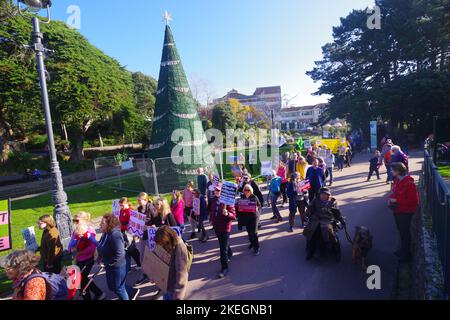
x,y
137,223
116,208
156,266
245,205
266,168
29,237
5,225
228,195
196,206
151,231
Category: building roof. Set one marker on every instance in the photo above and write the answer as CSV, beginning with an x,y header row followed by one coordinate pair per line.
x,y
267,90
303,108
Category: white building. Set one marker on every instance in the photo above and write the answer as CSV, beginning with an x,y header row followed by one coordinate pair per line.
x,y
299,118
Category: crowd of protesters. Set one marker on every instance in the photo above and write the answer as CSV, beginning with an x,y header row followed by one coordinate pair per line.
x,y
300,181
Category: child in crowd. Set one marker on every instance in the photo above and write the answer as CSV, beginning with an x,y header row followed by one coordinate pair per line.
x,y
375,164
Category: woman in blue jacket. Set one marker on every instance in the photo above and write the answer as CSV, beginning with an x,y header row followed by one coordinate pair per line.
x,y
316,178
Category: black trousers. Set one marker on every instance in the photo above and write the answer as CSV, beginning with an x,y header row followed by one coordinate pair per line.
x,y
301,208
87,265
312,193
403,222
251,225
372,171
56,265
311,245
283,189
133,252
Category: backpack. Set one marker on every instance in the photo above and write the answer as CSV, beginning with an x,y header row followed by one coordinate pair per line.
x,y
190,256
275,185
56,285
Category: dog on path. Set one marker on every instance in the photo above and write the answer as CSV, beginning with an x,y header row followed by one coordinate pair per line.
x,y
361,245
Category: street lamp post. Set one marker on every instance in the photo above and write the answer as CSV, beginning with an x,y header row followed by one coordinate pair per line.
x,y
61,210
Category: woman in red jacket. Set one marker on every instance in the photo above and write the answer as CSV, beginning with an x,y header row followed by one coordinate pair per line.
x,y
404,200
130,245
222,217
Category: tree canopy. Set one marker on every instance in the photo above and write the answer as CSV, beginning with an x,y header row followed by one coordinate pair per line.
x,y
87,88
399,73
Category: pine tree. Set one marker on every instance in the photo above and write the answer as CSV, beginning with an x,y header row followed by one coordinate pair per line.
x,y
176,109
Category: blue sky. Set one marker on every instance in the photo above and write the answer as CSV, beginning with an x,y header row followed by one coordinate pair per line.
x,y
228,43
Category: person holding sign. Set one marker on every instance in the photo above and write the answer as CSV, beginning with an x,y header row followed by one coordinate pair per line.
x,y
178,271
297,201
130,244
248,213
83,245
51,248
111,250
222,216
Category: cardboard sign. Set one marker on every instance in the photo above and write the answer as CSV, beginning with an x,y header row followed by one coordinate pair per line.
x,y
303,186
228,195
151,231
5,225
266,168
196,206
29,237
156,267
246,205
116,208
137,223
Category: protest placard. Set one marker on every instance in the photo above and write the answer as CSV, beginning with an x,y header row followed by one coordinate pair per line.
x,y
252,158
303,186
196,206
116,208
156,268
216,181
137,223
29,237
5,225
266,168
245,205
151,231
228,195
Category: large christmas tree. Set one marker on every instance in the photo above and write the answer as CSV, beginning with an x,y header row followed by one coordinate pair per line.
x,y
175,109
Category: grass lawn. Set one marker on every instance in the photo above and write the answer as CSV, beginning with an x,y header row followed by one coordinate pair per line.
x,y
444,171
92,198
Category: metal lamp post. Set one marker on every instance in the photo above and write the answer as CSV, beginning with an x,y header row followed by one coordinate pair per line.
x,y
61,211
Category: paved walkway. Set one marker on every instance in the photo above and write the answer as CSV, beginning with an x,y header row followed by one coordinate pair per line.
x,y
281,271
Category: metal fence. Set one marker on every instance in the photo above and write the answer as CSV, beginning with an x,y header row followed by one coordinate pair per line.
x,y
438,202
137,173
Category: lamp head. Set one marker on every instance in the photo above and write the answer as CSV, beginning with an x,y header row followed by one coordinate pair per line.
x,y
36,5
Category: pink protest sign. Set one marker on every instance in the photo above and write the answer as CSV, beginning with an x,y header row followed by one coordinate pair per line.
x,y
246,205
5,225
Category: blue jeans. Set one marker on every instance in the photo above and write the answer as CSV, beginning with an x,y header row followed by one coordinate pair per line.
x,y
340,162
168,297
273,201
390,176
225,249
115,278
330,174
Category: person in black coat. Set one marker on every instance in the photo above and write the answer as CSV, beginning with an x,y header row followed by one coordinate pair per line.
x,y
247,179
250,219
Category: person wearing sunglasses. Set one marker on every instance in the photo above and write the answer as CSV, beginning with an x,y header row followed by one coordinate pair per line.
x,y
83,245
248,213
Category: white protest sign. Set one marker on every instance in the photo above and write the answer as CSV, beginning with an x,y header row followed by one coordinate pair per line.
x,y
127,165
29,237
252,158
307,144
116,208
196,206
137,223
228,195
266,168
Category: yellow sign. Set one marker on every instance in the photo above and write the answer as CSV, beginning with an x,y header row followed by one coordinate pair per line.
x,y
332,144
